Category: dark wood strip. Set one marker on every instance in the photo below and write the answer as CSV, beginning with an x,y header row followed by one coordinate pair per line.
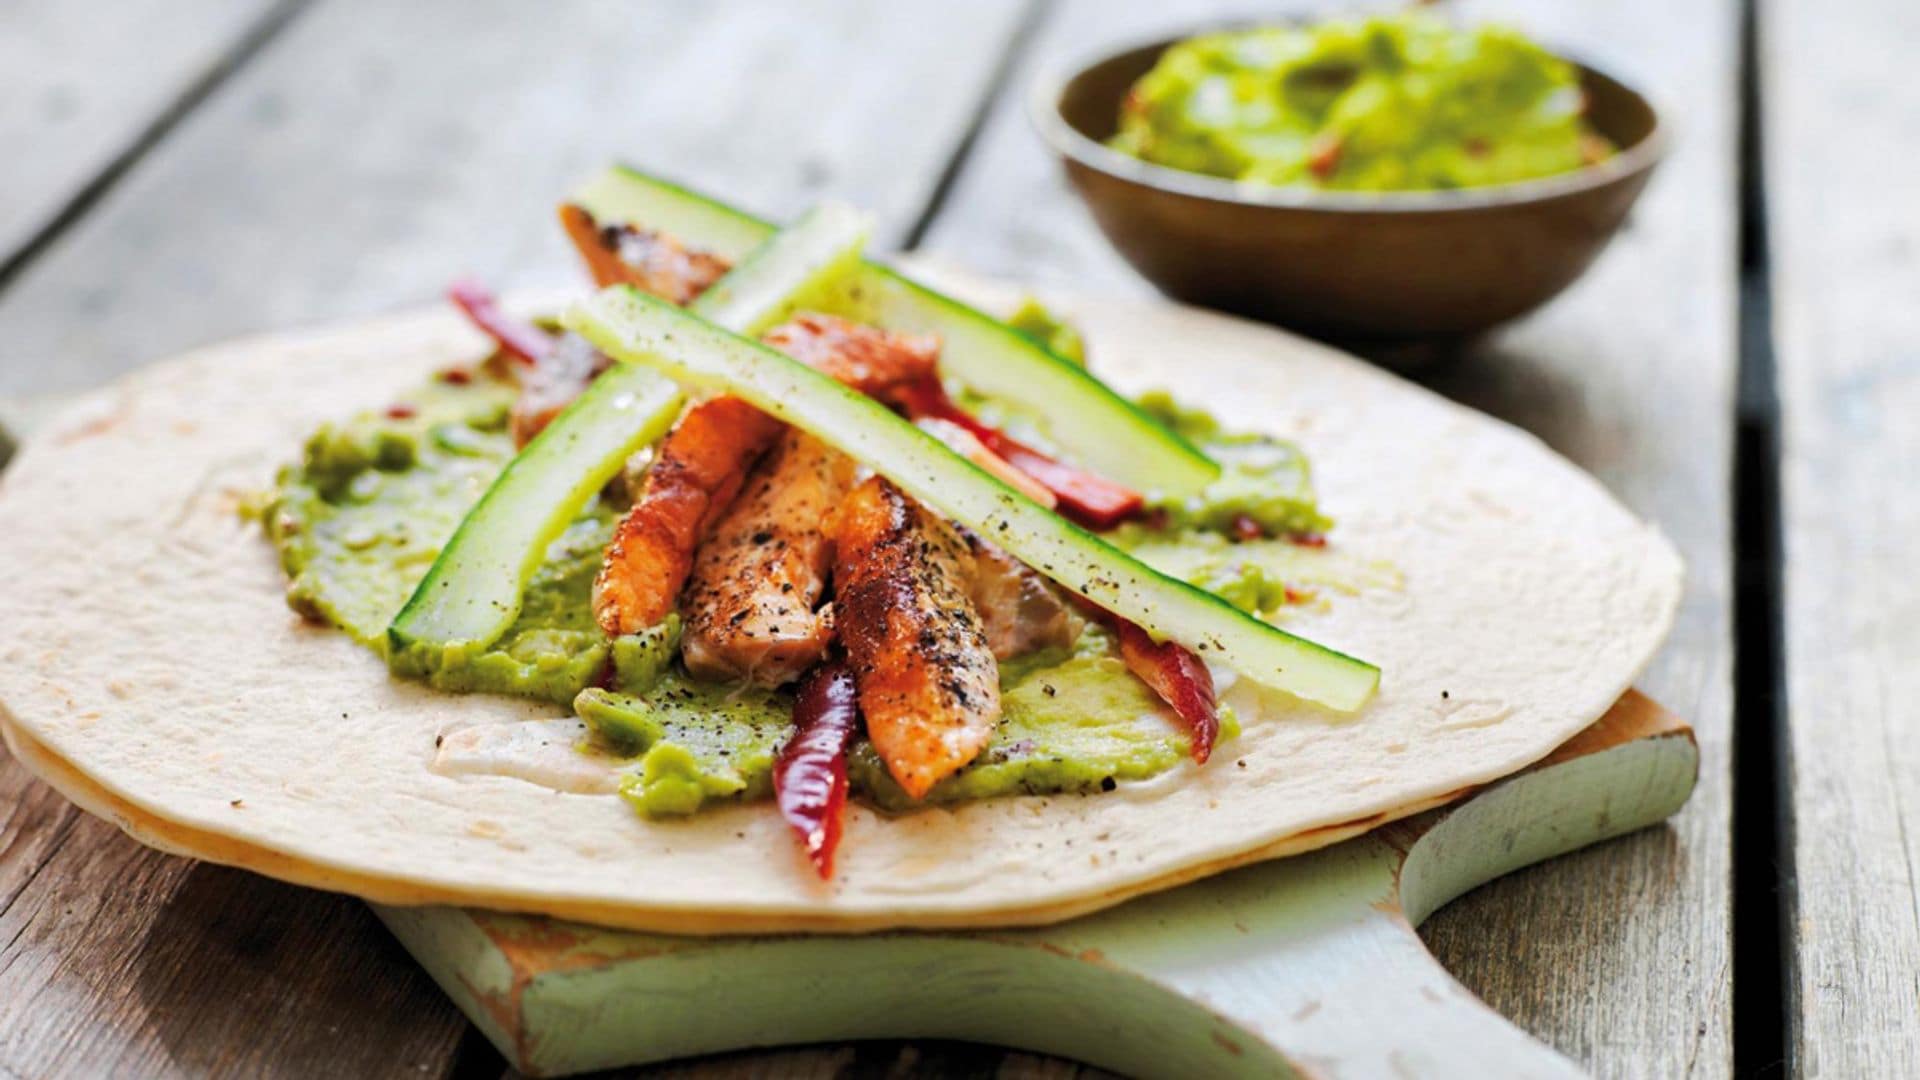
x,y
999,87
1762,851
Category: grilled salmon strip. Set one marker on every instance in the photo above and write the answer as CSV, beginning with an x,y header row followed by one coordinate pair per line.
x,y
702,463
695,475
867,358
929,685
750,604
1020,610
652,262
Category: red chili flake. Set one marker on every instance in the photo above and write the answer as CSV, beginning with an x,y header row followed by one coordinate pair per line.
x,y
402,411
1315,540
458,376
1323,157
1245,528
1298,596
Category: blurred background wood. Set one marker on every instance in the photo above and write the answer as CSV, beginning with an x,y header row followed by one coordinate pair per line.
x,y
207,168
372,152
1843,152
83,91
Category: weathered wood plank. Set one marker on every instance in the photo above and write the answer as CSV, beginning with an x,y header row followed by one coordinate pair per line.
x,y
1842,143
123,961
1632,375
371,155
1626,960
75,94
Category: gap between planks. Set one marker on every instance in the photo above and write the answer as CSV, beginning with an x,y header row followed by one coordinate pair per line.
x,y
247,46
999,84
1762,808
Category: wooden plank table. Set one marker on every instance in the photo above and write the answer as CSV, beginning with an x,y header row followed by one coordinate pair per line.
x,y
1842,141
233,166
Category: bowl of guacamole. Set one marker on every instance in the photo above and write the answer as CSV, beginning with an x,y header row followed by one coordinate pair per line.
x,y
1388,178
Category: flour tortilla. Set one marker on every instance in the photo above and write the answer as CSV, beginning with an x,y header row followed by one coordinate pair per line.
x,y
150,671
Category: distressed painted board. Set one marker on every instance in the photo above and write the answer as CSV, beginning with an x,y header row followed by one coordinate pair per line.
x,y
1631,375
369,156
1302,966
1842,141
75,96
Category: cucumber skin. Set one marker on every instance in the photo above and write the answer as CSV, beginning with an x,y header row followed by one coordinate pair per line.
x,y
1104,430
639,329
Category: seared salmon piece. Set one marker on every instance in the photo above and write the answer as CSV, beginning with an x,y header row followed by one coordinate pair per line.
x,y
550,384
695,475
867,358
929,685
652,262
703,462
1020,610
750,606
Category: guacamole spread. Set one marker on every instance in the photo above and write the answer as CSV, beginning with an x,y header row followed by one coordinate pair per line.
x,y
1393,103
360,518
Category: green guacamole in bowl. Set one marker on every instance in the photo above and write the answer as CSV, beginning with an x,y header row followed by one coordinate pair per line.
x,y
1393,103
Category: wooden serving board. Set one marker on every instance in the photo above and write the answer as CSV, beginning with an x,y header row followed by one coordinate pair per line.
x,y
1302,966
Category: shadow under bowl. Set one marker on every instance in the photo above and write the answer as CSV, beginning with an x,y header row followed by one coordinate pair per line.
x,y
1357,266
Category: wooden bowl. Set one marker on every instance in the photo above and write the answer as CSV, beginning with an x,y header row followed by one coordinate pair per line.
x,y
1360,266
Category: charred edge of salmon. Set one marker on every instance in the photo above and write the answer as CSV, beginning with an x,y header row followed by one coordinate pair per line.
x,y
650,261
929,685
654,548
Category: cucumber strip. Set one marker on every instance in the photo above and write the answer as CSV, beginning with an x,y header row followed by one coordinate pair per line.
x,y
1096,426
632,327
471,594
791,269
